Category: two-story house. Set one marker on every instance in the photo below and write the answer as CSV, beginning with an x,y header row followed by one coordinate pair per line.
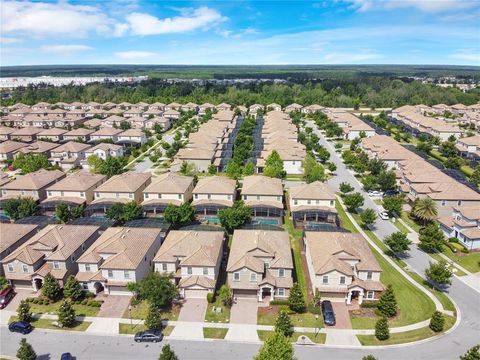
x,y
260,265
9,148
105,133
54,250
104,150
81,134
211,194
74,190
38,148
69,155
342,267
52,134
119,256
265,196
311,204
26,134
132,137
168,188
12,236
194,258
122,188
463,224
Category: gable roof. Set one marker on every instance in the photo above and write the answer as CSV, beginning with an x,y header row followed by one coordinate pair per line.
x,y
35,180
11,233
126,182
262,185
79,181
170,183
215,185
315,190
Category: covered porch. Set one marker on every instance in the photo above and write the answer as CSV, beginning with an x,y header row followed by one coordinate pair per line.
x,y
48,206
99,207
303,215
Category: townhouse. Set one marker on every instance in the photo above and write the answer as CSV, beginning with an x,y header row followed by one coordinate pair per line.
x,y
163,122
211,194
342,267
351,125
274,107
202,109
132,137
74,190
26,134
106,133
469,147
293,108
171,114
312,205
32,185
80,134
6,132
168,188
119,256
13,236
9,148
69,155
38,148
463,224
265,196
104,150
122,188
54,249
312,109
260,265
193,258
52,134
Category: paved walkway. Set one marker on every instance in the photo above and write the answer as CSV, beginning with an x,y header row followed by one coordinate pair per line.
x,y
342,316
341,337
244,311
193,310
114,306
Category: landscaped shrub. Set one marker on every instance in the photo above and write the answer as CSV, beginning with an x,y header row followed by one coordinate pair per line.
x,y
279,302
314,309
84,302
210,297
369,304
89,294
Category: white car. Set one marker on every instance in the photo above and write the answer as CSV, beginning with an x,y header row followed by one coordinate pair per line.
x,y
375,193
383,215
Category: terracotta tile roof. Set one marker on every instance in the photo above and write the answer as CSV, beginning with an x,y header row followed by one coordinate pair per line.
x,y
72,146
79,181
329,250
195,248
126,182
473,233
169,183
11,233
126,247
38,147
105,147
36,180
199,280
51,132
249,245
470,212
215,185
10,146
262,185
106,132
313,191
79,132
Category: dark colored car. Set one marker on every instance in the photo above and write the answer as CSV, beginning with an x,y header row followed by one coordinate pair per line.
x,y
6,296
328,314
149,336
391,193
21,327
66,356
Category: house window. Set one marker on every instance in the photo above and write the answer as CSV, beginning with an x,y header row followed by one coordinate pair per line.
x,y
309,201
281,272
72,258
205,271
126,274
444,203
196,196
331,203
130,195
49,193
253,277
459,203
159,196
370,295
179,196
325,280
87,267
295,202
10,267
146,195
97,194
164,267
244,197
209,196
369,275
82,194
83,247
56,265
189,270
342,280
62,193
110,274
279,198
317,202
236,276
25,268
281,292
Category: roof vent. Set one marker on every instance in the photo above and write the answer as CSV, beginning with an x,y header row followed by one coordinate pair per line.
x,y
123,236
196,233
60,227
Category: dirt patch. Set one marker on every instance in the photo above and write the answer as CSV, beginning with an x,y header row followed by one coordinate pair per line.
x,y
270,310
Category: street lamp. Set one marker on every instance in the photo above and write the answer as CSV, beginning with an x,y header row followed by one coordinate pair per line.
x,y
317,328
130,313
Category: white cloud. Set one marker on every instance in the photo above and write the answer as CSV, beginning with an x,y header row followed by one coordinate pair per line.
x,y
58,19
134,54
422,5
9,40
471,57
350,58
239,34
191,19
66,50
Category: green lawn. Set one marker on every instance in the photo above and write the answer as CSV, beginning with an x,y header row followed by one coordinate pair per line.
x,y
346,223
214,333
437,257
470,261
400,227
410,222
140,312
319,338
222,317
47,324
446,302
298,320
404,337
80,310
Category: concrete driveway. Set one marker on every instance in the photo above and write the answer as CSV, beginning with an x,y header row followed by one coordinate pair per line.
x,y
244,311
193,310
114,305
21,295
342,316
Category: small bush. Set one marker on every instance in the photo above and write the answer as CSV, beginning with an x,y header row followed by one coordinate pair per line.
x,y
279,302
317,310
135,301
453,240
210,297
369,304
46,301
89,294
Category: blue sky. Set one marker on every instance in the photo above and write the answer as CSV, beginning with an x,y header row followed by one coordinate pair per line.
x,y
240,32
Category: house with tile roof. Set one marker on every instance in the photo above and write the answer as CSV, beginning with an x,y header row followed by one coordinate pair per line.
x,y
69,155
264,195
5,132
9,148
13,236
74,190
52,134
119,256
38,148
463,224
312,204
81,134
211,194
168,188
54,249
342,267
260,265
26,134
193,258
122,188
106,133
134,137
103,150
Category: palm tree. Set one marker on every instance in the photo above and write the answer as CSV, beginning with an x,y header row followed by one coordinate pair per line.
x,y
425,209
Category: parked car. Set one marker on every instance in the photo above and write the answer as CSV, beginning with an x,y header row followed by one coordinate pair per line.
x,y
391,193
21,327
375,193
149,336
383,215
66,356
6,295
328,313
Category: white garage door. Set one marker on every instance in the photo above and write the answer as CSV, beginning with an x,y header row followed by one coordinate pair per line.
x,y
195,293
118,290
334,297
245,294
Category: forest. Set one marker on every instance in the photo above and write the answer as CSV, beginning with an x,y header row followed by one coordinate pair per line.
x,y
368,91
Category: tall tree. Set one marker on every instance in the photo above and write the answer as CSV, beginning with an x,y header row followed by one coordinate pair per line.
x,y
276,347
30,162
296,300
439,273
368,216
431,238
51,288
225,295
283,324
72,289
345,188
387,305
62,212
153,319
66,314
23,311
425,209
25,351
157,288
274,166
248,169
393,204
19,208
353,201
397,242
167,353
235,216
